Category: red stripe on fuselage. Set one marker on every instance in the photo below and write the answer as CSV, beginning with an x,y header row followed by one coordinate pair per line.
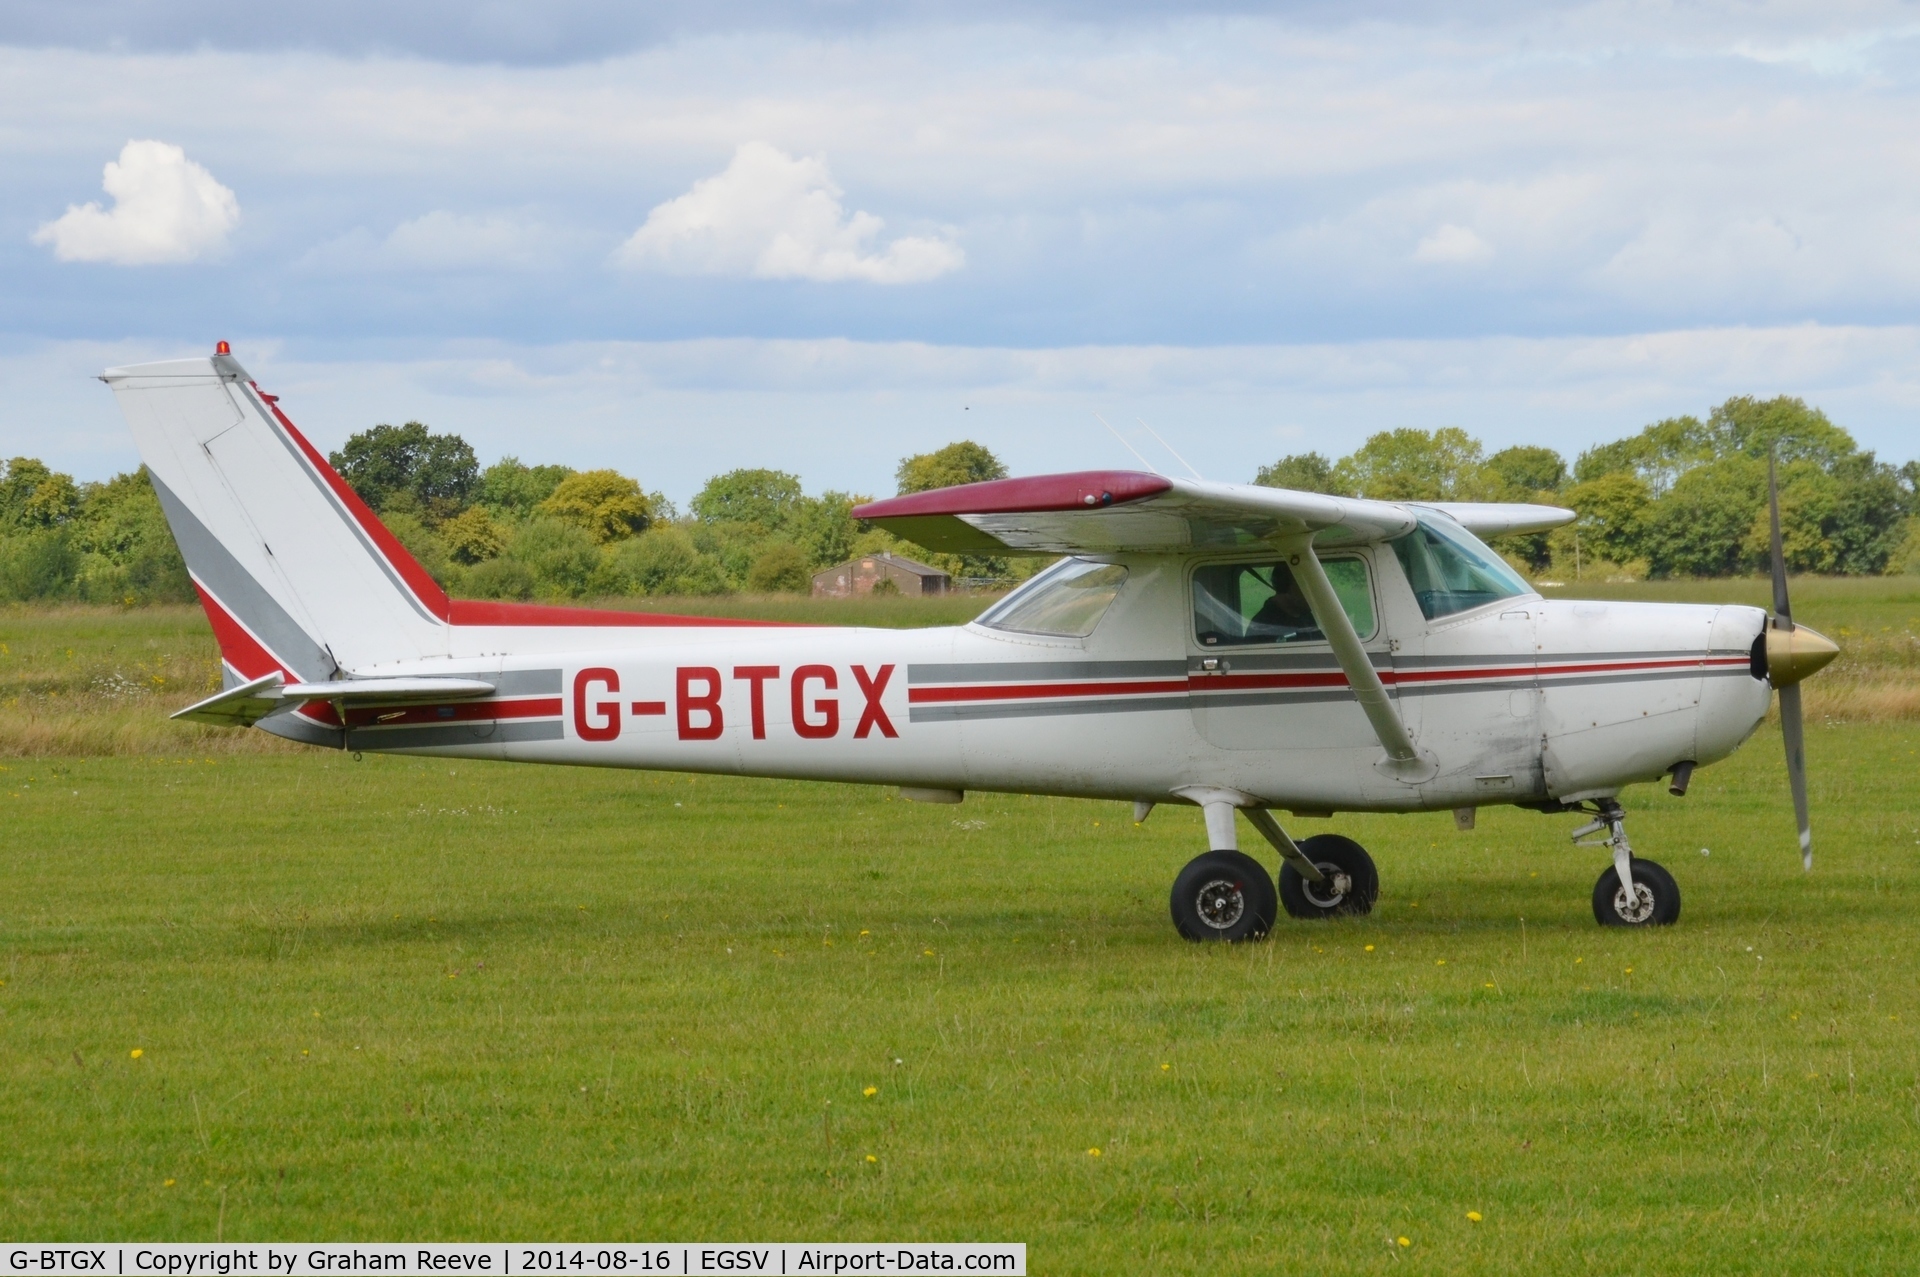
x,y
461,712
1037,691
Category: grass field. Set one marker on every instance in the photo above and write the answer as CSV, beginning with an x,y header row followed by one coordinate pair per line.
x,y
397,998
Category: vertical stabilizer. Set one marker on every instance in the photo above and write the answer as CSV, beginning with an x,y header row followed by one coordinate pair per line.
x,y
296,574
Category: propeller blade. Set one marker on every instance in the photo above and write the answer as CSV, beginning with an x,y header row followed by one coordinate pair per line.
x,y
1782,610
1794,731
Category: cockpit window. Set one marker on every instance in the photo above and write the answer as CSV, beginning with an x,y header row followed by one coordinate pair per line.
x,y
1066,601
1238,604
1451,570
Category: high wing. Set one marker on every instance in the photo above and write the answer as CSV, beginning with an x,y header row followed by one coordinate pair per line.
x,y
1111,511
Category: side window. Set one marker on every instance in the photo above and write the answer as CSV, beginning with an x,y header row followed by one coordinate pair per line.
x,y
1238,604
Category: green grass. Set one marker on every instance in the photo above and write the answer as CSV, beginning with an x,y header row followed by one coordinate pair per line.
x,y
400,999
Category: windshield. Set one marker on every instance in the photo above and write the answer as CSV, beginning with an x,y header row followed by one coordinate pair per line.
x,y
1067,600
1451,570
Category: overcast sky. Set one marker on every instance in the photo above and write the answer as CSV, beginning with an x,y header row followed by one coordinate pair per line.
x,y
678,238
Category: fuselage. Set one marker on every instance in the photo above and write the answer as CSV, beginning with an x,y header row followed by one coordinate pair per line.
x,y
1521,700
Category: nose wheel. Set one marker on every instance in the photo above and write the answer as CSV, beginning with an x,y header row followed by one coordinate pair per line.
x,y
1655,901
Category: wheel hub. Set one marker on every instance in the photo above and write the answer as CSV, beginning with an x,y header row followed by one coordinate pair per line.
x,y
1328,894
1639,909
1221,903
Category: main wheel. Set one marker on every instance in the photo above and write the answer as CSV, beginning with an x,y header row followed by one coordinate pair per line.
x,y
1352,885
1656,900
1223,895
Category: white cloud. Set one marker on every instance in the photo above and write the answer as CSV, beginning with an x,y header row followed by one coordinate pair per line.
x,y
165,208
771,216
1452,244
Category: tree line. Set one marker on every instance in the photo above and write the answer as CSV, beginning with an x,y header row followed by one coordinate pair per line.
x,y
1683,497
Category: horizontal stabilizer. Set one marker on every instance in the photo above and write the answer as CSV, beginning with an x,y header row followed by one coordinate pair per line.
x,y
248,703
241,706
388,689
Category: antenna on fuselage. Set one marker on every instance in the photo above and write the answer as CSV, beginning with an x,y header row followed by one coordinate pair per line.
x,y
1124,444
1169,447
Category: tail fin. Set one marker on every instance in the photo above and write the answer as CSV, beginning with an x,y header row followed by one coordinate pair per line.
x,y
296,574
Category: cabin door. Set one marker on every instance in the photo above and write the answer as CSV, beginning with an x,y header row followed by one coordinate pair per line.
x,y
1262,674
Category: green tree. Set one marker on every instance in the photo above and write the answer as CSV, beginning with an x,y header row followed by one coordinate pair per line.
x,y
472,536
665,560
605,504
1844,518
1525,472
433,473
1751,427
34,496
510,487
1414,465
780,567
1612,523
1301,472
1658,455
127,548
1700,526
957,463
562,558
762,499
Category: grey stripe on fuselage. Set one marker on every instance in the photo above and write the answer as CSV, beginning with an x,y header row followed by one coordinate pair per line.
x,y
1042,671
236,590
524,682
382,738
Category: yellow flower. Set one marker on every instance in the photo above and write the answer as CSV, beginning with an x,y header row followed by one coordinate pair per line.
x,y
866,933
1439,962
1629,971
926,953
1403,1241
169,1184
136,1053
1474,1215
1093,1152
871,1091
1578,961
1165,1067
1489,984
872,1158
1369,948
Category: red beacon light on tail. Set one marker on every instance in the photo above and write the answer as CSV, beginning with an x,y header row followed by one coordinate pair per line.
x,y
222,349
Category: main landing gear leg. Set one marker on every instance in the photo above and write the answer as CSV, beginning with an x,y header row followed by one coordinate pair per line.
x,y
1633,893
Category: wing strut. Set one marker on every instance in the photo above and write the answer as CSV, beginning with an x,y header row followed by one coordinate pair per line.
x,y
1404,759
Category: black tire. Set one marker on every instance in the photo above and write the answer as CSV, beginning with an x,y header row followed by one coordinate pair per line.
x,y
1223,895
1659,903
1337,857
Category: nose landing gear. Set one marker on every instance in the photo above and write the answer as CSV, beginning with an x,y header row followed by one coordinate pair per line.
x,y
1633,892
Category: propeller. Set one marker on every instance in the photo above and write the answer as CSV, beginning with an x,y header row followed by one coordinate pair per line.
x,y
1793,652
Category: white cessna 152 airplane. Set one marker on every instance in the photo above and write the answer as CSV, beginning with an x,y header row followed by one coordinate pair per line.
x,y
1244,649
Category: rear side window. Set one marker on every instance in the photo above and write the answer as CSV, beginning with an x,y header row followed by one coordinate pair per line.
x,y
1240,604
1451,570
1066,601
